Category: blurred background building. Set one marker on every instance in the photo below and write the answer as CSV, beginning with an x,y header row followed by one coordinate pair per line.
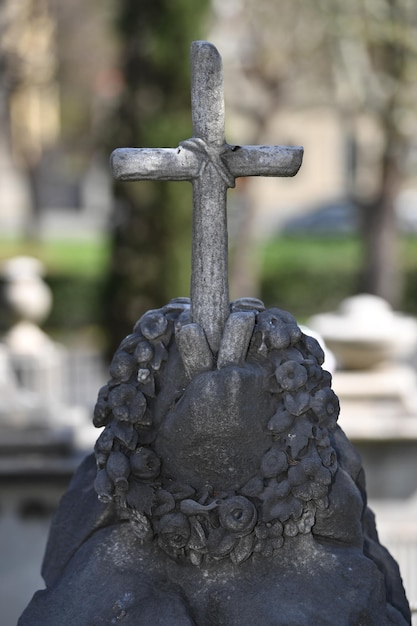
x,y
77,81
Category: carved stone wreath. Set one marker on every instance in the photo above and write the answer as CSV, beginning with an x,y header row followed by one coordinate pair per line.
x,y
200,523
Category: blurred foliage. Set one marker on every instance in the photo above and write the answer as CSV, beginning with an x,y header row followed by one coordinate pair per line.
x,y
67,257
308,275
359,58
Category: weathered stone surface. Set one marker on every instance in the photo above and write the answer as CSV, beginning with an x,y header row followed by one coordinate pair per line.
x,y
115,578
237,499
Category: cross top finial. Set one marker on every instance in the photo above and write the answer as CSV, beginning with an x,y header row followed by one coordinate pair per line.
x,y
212,165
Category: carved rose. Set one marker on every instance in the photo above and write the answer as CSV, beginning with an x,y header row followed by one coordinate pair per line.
x,y
102,413
291,375
273,462
122,366
297,403
298,437
309,479
278,330
238,515
325,405
173,532
145,464
280,421
143,352
314,348
153,324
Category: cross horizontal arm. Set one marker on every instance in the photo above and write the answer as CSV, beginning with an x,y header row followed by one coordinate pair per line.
x,y
264,160
184,164
154,164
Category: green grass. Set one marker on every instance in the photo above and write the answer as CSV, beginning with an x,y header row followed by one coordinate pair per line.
x,y
63,256
306,275
344,253
326,253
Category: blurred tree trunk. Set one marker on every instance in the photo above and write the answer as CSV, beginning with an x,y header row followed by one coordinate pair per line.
x,y
152,220
381,274
375,58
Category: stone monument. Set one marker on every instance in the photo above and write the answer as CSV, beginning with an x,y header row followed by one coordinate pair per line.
x,y
222,489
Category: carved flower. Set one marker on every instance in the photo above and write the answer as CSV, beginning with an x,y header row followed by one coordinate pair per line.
x,y
104,442
317,478
325,405
143,375
118,466
281,421
298,403
121,395
153,324
299,435
278,330
308,519
163,503
269,537
238,515
145,464
138,410
143,352
253,487
276,490
125,433
146,381
221,542
314,348
311,490
328,457
302,525
173,532
102,413
122,366
314,371
292,354
140,497
281,508
273,462
291,375
129,343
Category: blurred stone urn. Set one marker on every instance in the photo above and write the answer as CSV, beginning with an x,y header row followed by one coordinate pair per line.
x,y
37,360
365,333
29,300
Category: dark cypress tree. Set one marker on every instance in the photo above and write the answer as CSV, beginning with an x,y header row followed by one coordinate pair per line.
x,y
152,220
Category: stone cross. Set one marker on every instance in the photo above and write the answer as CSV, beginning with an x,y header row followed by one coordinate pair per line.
x,y
212,166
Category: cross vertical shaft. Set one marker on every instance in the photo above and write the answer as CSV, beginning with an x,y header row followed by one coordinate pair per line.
x,y
209,279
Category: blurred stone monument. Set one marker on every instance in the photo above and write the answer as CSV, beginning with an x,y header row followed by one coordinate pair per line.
x,y
34,414
373,346
36,359
222,489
